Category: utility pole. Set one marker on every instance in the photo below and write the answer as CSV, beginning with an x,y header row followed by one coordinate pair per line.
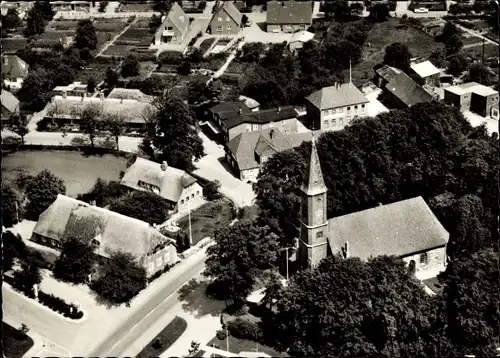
x,y
286,249
482,57
17,211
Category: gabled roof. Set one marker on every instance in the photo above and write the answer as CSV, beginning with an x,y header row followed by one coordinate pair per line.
x,y
425,69
178,18
289,12
9,101
402,228
229,8
263,116
407,90
67,217
170,182
14,67
229,109
388,72
339,95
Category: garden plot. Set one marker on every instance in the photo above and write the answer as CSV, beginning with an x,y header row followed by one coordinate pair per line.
x,y
220,46
13,45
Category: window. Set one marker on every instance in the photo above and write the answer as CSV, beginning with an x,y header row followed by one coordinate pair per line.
x,y
170,28
219,28
187,199
348,108
219,18
192,196
334,122
341,121
319,234
96,243
325,123
355,107
424,259
228,19
182,202
362,106
229,27
198,193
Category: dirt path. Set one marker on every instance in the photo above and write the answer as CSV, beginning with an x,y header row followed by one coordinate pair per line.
x,y
112,41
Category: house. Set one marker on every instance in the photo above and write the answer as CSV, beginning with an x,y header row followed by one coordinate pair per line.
x,y
67,110
427,73
174,27
14,70
299,39
172,184
226,20
106,230
473,97
249,150
129,93
252,104
399,90
84,6
332,108
406,229
73,89
284,118
289,16
10,105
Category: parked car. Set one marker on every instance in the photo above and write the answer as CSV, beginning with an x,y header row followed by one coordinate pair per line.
x,y
421,10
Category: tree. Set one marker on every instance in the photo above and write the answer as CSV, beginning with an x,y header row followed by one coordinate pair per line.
x,y
241,255
211,190
103,5
35,24
13,247
356,9
45,8
175,136
115,124
28,277
453,44
162,6
354,308
154,23
252,52
148,207
91,85
397,55
41,191
10,207
471,301
85,35
457,64
76,260
111,78
103,192
35,90
11,20
244,20
90,117
182,241
122,279
379,12
481,74
200,92
130,66
449,29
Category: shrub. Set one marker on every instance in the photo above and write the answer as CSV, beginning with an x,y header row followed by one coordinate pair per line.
x,y
243,329
170,57
59,305
221,334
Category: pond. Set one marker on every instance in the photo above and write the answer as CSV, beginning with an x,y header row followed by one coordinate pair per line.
x,y
79,172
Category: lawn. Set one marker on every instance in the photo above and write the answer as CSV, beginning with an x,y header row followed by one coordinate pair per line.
x,y
237,345
165,338
382,35
78,172
15,343
490,50
207,219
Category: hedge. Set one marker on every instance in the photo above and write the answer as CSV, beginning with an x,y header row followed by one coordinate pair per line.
x,y
242,329
170,57
59,305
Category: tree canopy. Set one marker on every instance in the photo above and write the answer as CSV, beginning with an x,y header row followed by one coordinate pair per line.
x,y
35,23
10,21
41,191
9,208
85,35
130,66
144,206
241,255
398,55
103,192
13,247
76,260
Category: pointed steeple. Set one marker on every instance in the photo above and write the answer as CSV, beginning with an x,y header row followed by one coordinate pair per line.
x,y
313,181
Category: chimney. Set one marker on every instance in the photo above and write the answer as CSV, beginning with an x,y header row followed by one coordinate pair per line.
x,y
240,111
101,96
345,250
278,110
271,132
164,165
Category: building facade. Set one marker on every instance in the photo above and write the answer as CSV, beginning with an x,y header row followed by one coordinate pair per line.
x,y
226,20
332,108
427,73
174,27
473,97
288,16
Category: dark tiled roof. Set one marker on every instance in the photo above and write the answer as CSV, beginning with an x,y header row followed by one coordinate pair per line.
x,y
14,67
289,12
407,90
387,72
178,18
264,116
229,109
340,95
401,229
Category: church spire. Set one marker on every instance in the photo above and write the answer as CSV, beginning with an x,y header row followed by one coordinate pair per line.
x,y
313,182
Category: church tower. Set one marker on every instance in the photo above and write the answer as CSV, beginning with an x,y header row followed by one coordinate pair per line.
x,y
313,243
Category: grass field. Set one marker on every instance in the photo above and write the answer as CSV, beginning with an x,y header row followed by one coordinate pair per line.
x,y
165,338
476,52
78,172
15,343
382,35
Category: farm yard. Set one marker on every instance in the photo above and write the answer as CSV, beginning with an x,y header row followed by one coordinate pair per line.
x,y
417,41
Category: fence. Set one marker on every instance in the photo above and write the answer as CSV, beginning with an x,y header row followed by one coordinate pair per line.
x,y
68,15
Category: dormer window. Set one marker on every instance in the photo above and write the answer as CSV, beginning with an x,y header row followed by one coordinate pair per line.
x,y
96,243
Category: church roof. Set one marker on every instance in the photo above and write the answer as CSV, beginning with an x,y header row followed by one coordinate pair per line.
x,y
401,229
313,181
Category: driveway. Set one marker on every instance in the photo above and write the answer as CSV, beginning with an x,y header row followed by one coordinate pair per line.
x,y
476,120
375,107
257,31
214,167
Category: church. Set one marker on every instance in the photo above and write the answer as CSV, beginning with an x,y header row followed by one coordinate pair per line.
x,y
407,229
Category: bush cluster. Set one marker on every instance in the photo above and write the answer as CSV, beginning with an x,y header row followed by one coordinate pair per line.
x,y
240,328
58,305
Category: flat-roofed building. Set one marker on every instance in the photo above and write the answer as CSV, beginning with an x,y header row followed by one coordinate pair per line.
x,y
473,97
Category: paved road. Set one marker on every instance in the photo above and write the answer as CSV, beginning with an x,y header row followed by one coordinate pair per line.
x,y
476,34
161,301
